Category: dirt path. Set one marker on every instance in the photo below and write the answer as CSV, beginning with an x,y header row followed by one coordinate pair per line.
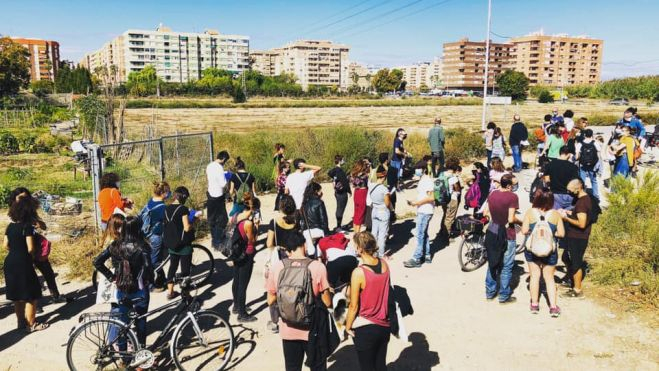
x,y
453,326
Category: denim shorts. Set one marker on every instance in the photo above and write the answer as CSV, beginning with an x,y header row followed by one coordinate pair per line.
x,y
552,259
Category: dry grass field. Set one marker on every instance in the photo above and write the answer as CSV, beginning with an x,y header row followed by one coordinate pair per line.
x,y
186,120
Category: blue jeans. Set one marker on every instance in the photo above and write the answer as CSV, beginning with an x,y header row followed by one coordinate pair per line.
x,y
517,157
422,238
141,308
504,274
489,157
380,228
155,241
563,201
592,175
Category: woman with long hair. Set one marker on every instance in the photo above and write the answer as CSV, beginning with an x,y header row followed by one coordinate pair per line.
x,y
280,182
368,314
110,198
359,179
129,249
241,183
341,189
553,143
277,159
155,209
22,284
543,203
497,170
177,218
242,269
498,144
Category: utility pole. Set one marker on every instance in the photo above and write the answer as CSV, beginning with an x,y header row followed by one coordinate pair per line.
x,y
487,61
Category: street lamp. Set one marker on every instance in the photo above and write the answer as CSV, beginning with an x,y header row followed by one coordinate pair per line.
x,y
487,61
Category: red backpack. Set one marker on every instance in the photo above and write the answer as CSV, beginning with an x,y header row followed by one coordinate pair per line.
x,y
473,196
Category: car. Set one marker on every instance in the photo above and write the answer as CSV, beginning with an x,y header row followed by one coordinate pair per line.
x,y
619,102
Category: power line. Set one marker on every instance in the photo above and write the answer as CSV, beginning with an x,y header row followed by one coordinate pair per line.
x,y
399,18
314,24
350,16
377,17
501,36
631,64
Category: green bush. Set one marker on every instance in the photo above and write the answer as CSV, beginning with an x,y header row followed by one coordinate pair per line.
x,y
19,174
545,97
8,143
5,191
625,241
643,87
41,88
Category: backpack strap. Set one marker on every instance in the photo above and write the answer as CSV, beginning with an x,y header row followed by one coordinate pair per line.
x,y
169,219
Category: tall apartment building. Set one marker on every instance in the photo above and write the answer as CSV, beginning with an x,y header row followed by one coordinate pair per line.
x,y
177,56
361,74
558,60
44,57
427,74
464,63
313,62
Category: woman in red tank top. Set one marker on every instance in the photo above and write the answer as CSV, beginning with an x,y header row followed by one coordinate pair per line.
x,y
369,295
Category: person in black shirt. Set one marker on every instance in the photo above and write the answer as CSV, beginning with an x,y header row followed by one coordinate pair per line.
x,y
341,189
558,173
240,177
518,134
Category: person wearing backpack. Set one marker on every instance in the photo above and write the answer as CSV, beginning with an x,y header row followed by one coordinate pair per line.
x,y
342,189
425,208
579,222
294,285
177,237
132,273
359,179
381,204
216,204
454,189
242,267
313,219
241,183
544,225
368,314
152,217
436,140
590,160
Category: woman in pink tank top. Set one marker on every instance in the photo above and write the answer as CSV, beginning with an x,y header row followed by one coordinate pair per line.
x,y
369,295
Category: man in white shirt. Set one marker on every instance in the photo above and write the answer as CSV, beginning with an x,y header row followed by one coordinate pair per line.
x,y
216,204
297,182
425,208
568,119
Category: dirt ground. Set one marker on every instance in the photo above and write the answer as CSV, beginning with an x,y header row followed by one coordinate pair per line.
x,y
453,327
169,121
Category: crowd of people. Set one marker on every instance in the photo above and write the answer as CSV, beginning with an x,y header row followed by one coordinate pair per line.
x,y
310,265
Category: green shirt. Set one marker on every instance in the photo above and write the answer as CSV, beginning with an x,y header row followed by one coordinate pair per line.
x,y
436,138
554,146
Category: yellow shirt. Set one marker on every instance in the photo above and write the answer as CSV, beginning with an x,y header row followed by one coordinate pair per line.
x,y
630,144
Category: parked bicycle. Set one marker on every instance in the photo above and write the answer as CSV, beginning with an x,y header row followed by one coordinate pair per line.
x,y
200,339
201,269
472,253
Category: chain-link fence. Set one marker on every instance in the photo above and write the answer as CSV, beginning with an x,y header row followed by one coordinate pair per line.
x,y
178,159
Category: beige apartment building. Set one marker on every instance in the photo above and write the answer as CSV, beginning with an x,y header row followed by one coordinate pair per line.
x,y
177,56
428,74
558,60
464,63
313,62
361,74
44,57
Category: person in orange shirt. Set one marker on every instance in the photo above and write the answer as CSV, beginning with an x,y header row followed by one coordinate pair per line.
x,y
110,198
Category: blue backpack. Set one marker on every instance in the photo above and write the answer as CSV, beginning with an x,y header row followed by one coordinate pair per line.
x,y
145,218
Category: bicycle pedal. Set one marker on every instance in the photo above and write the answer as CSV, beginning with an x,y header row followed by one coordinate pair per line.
x,y
144,358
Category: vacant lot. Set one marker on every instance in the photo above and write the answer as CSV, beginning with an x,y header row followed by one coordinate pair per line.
x,y
411,117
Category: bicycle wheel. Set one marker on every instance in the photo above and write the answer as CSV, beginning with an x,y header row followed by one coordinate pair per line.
x,y
203,265
207,346
472,253
91,347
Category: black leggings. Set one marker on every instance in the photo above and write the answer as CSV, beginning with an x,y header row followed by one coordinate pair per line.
x,y
186,262
242,273
47,272
341,202
371,344
572,257
294,351
340,270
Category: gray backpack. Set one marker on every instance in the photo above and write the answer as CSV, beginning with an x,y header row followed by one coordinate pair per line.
x,y
295,297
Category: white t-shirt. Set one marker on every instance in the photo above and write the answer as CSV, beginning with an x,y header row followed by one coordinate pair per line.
x,y
569,123
333,253
296,184
216,179
425,185
451,182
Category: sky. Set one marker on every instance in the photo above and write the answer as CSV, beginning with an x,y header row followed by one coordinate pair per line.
x,y
384,33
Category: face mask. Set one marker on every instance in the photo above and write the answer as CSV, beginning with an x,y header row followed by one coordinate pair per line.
x,y
618,131
418,172
118,184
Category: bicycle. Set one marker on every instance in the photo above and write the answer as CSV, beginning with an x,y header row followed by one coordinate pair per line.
x,y
199,273
201,339
472,253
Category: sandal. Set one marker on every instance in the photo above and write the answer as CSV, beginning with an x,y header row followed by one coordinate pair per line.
x,y
36,327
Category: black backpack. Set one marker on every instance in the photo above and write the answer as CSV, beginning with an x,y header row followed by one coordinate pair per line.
x,y
588,155
233,246
173,233
596,209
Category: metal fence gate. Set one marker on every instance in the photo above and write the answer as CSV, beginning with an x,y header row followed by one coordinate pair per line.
x,y
180,160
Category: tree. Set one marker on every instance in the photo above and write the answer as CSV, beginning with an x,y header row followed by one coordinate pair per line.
x,y
513,84
14,67
41,87
545,97
77,80
424,88
143,83
90,107
387,81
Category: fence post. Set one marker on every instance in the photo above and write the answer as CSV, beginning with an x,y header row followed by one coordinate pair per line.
x,y
162,159
211,143
95,154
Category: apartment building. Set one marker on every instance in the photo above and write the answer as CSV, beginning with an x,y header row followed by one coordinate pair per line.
x,y
464,63
359,75
558,60
428,74
313,62
177,56
44,57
